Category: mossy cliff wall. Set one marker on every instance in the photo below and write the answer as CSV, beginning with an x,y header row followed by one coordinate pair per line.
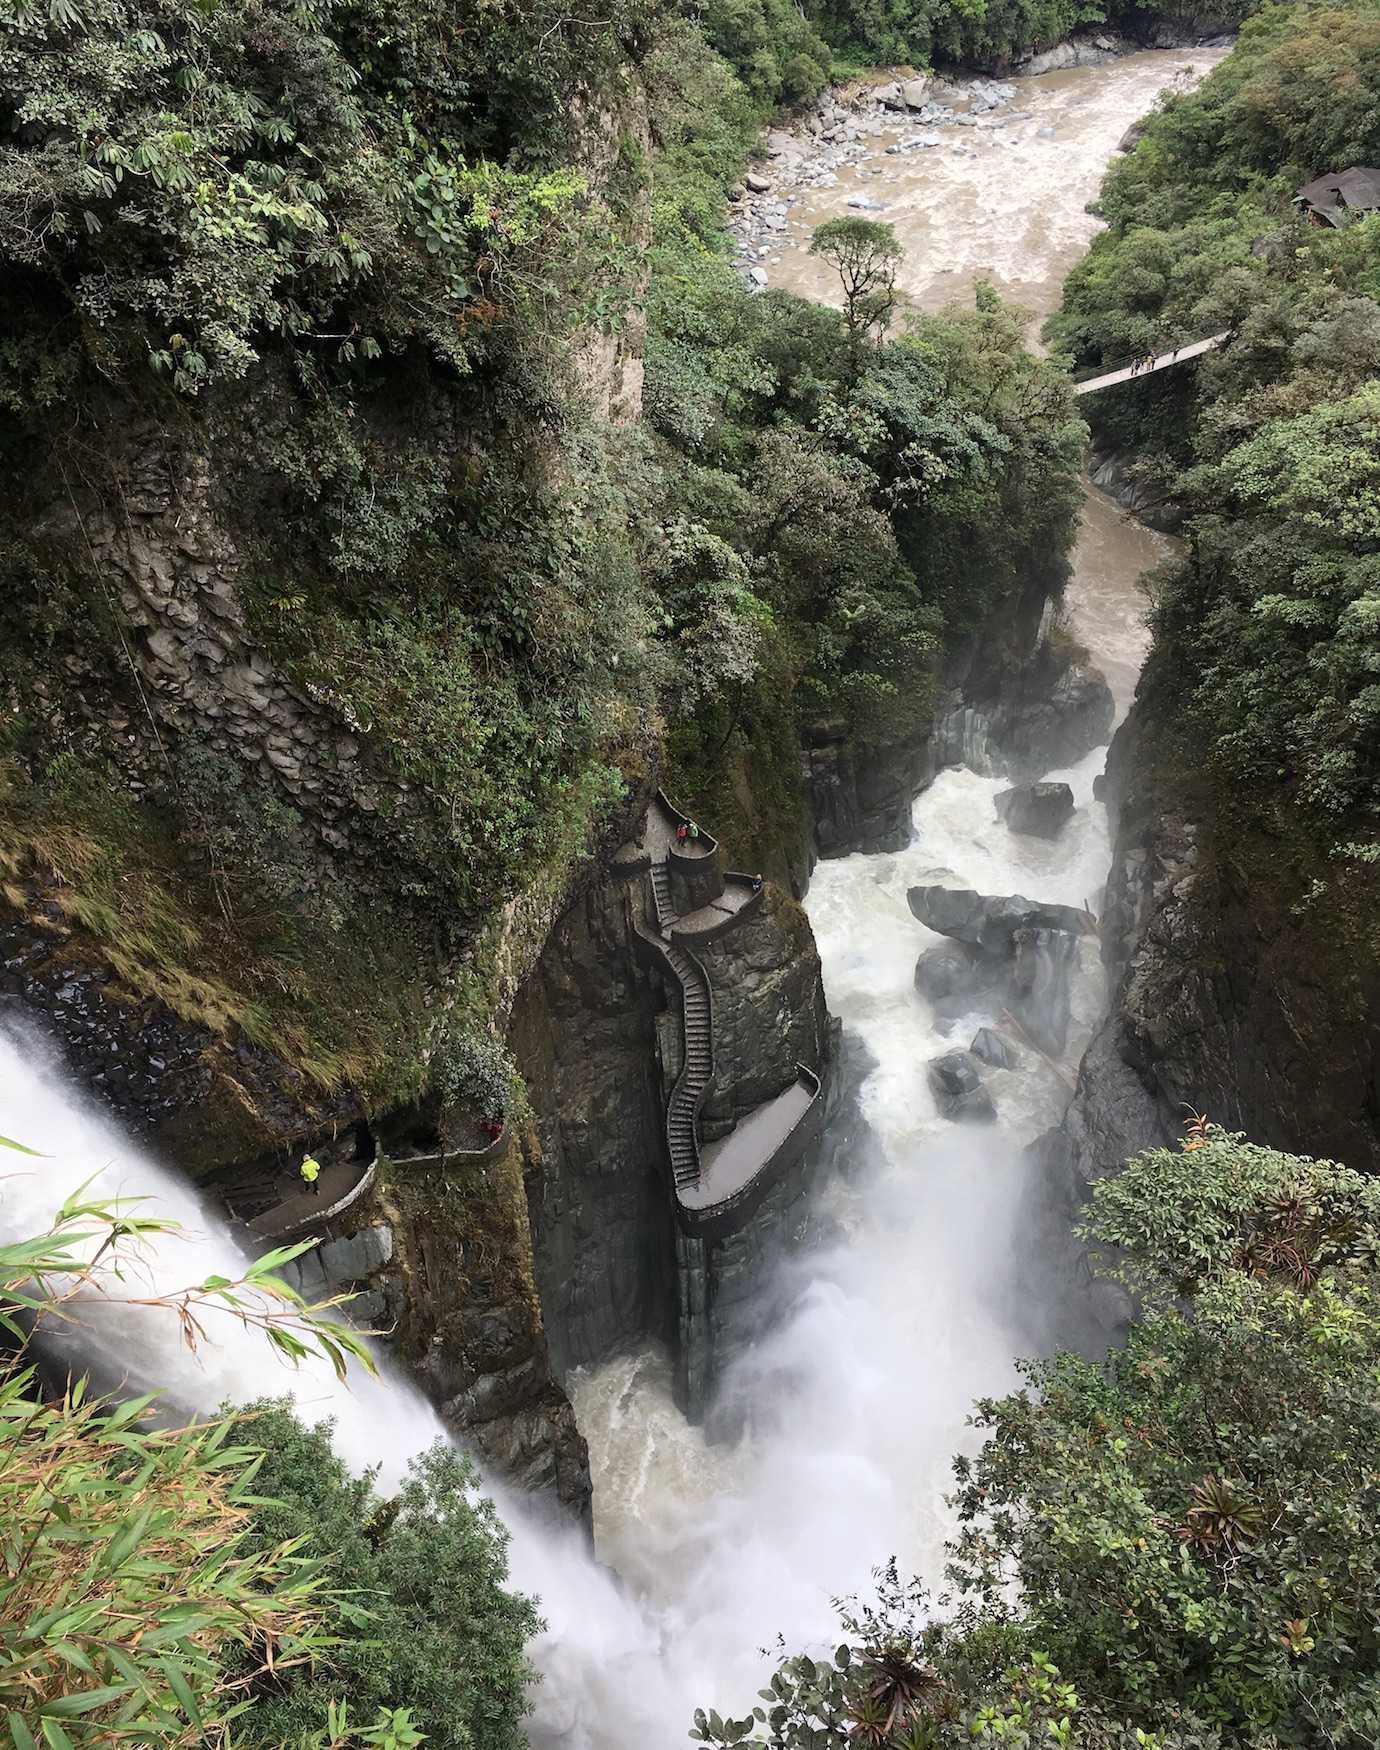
x,y
1013,695
1245,985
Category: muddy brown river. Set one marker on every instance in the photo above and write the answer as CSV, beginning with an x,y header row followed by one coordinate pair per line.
x,y
1003,199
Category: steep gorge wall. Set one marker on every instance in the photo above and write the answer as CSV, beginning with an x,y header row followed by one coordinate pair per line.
x,y
598,1038
1239,988
1012,695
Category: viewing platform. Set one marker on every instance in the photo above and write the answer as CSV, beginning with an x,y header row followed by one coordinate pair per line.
x,y
302,1214
738,1170
718,1183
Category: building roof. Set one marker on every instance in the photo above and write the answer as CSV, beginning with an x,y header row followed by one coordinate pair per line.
x,y
1341,192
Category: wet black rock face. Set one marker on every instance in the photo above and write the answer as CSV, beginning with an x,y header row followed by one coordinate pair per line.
x,y
990,923
958,1089
197,1101
1039,810
1015,952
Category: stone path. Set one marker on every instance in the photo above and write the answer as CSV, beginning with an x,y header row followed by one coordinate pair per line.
x,y
1192,351
735,1160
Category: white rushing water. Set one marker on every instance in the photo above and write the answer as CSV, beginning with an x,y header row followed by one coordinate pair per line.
x,y
855,1402
601,1653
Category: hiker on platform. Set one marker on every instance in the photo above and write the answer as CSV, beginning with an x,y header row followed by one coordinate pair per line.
x,y
682,833
757,884
310,1170
694,830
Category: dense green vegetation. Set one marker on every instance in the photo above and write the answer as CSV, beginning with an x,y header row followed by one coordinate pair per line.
x,y
426,1624
782,51
1189,1525
231,1582
1270,445
310,299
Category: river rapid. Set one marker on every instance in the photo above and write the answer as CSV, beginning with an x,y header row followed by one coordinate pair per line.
x,y
854,1403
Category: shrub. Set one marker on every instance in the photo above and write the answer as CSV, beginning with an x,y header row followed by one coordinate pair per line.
x,y
427,1624
1174,1548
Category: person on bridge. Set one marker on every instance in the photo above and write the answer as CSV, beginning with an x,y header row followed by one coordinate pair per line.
x,y
310,1170
757,884
682,831
694,830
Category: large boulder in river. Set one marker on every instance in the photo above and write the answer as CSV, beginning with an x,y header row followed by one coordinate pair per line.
x,y
913,93
951,974
1040,991
1037,809
991,923
991,1048
958,1090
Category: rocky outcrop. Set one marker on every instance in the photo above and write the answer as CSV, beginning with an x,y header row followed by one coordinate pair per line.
x,y
992,923
1095,49
1039,810
1242,987
1053,708
769,1012
958,1089
597,1031
1118,477
860,794
1013,952
584,1030
472,1328
1017,698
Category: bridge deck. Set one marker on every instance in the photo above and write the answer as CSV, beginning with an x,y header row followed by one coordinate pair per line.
x,y
1192,351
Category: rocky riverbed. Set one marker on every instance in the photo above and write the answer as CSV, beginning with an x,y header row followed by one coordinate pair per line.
x,y
983,178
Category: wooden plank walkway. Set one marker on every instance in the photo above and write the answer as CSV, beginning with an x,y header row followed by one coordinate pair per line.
x,y
1192,351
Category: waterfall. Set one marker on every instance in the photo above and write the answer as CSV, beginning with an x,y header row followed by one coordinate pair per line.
x,y
608,1683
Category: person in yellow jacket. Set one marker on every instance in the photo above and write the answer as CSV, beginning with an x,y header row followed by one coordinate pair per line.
x,y
310,1170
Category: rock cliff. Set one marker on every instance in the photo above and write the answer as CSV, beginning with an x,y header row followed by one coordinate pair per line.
x,y
1015,697
1241,986
597,1034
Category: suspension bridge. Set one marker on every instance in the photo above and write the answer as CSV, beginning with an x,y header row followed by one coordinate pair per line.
x,y
1144,367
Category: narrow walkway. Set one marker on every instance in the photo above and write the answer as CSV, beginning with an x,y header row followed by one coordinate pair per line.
x,y
1192,351
720,1173
732,1162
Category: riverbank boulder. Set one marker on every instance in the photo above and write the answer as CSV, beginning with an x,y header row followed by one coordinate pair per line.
x,y
991,923
991,1048
1039,810
958,1090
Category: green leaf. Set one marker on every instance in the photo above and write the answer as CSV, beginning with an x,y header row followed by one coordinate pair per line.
x,y
70,1707
22,1737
